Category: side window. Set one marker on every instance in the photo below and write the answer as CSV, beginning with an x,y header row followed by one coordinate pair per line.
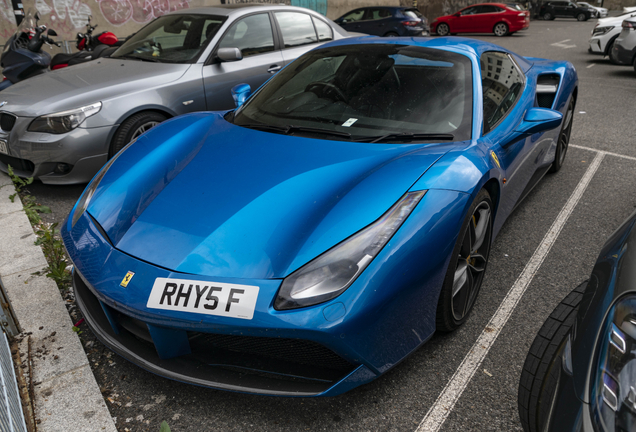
x,y
502,83
469,11
297,28
375,14
323,29
252,35
354,16
488,9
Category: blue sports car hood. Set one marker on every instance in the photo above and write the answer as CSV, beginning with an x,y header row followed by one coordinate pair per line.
x,y
200,195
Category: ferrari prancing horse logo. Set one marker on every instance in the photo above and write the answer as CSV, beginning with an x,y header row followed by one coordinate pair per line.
x,y
495,158
127,278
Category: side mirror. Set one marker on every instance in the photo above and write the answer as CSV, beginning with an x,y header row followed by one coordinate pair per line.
x,y
457,14
240,93
229,54
51,32
37,16
536,120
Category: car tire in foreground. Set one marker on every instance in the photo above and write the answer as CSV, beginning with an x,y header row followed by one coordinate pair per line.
x,y
548,16
564,138
542,368
442,29
467,265
132,128
500,29
581,17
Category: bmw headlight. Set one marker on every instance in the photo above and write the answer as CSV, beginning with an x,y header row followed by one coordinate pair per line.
x,y
64,121
598,31
87,195
614,387
334,271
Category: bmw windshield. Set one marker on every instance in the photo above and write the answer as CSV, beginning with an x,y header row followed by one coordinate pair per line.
x,y
171,39
368,93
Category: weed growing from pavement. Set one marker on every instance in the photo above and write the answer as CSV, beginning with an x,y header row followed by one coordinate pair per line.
x,y
47,234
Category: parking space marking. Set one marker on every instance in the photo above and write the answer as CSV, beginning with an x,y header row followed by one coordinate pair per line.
x,y
604,152
447,399
563,44
591,66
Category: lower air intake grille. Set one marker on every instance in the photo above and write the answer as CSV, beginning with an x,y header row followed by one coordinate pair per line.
x,y
17,164
7,121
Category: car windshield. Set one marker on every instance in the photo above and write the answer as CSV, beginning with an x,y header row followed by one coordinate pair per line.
x,y
374,93
171,39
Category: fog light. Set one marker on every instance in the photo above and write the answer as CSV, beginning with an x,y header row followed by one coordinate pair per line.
x,y
62,168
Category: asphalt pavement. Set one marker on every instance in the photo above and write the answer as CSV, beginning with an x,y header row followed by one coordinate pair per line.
x,y
597,187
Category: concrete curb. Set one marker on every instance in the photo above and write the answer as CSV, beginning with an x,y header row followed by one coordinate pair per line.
x,y
68,398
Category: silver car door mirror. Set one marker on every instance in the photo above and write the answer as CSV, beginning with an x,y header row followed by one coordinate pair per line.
x,y
229,54
240,93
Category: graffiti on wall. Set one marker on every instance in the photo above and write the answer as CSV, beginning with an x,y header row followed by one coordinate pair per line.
x,y
319,6
119,12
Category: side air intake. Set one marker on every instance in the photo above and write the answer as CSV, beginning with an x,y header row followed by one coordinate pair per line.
x,y
547,86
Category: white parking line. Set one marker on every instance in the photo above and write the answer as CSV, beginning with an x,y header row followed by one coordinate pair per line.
x,y
604,152
563,44
591,66
444,404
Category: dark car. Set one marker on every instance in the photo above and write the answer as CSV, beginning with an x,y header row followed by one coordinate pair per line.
x,y
385,21
566,9
580,373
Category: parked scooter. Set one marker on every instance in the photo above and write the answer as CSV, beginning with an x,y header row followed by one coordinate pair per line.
x,y
22,56
90,47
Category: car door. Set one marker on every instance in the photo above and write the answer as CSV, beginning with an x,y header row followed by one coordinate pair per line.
x,y
560,9
254,36
298,34
378,22
489,15
466,20
573,9
351,21
503,84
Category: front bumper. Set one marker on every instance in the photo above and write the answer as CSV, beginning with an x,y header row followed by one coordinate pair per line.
x,y
597,45
33,154
569,413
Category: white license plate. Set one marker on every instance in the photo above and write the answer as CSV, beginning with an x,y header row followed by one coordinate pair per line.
x,y
3,147
202,297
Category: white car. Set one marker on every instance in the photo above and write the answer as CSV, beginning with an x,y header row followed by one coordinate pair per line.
x,y
605,33
602,12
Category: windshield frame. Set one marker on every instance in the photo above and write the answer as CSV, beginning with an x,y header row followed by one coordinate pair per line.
x,y
141,36
466,130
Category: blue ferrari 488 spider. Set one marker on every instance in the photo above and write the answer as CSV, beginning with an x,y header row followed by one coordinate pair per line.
x,y
308,241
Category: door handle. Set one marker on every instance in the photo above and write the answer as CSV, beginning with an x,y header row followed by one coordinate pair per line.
x,y
274,68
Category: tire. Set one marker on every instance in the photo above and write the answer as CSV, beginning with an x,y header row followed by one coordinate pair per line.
x,y
132,127
581,17
541,370
391,34
500,29
608,49
442,29
548,16
564,138
465,275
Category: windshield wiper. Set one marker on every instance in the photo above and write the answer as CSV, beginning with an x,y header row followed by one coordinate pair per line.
x,y
291,128
407,137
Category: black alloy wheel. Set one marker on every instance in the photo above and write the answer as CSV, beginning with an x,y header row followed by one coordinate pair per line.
x,y
467,265
547,16
564,138
543,365
442,30
581,17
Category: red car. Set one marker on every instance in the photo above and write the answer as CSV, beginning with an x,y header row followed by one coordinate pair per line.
x,y
498,18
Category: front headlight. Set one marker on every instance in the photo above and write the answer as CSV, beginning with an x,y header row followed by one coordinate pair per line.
x,y
334,271
598,31
65,121
87,195
614,387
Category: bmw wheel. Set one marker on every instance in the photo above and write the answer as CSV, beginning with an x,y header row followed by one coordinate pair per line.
x,y
581,17
564,138
541,370
132,128
467,265
547,16
501,29
443,30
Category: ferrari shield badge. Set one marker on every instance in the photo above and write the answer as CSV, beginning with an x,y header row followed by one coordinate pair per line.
x,y
495,158
127,278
